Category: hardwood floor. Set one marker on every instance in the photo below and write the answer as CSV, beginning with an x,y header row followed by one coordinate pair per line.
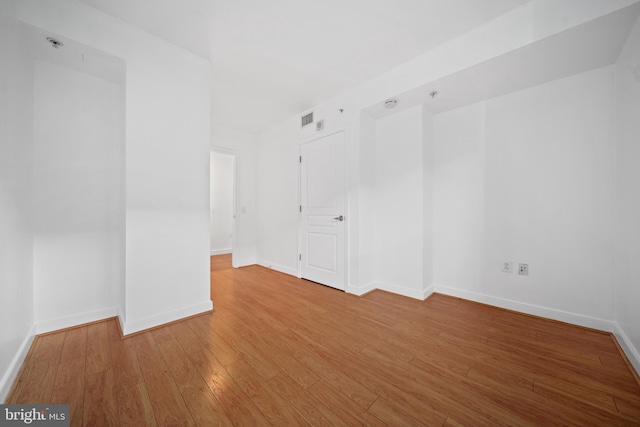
x,y
220,262
282,351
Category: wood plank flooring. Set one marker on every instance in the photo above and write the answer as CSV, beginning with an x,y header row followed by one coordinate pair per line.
x,y
282,351
220,262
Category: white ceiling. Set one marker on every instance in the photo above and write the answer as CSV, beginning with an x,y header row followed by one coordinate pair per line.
x,y
273,59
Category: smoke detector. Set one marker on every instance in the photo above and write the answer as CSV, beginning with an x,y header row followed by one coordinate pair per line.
x,y
54,42
390,103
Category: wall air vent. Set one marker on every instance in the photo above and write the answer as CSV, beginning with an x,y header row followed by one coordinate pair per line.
x,y
307,119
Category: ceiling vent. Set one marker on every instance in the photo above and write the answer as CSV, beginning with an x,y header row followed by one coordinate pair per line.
x,y
307,119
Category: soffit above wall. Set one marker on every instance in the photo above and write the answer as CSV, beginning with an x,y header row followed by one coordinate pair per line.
x,y
585,47
75,55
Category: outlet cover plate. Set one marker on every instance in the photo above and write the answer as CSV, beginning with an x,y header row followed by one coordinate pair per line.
x,y
523,269
507,267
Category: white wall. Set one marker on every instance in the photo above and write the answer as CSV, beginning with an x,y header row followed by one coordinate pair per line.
x,y
78,197
528,177
627,296
221,190
167,148
278,199
428,188
365,251
167,184
398,229
16,165
243,146
459,194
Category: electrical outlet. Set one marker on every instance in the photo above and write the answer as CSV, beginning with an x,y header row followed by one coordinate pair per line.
x,y
523,269
507,267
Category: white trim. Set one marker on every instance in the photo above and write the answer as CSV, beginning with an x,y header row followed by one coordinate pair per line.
x,y
629,349
14,367
282,269
168,317
360,290
223,150
536,310
243,262
428,291
332,130
121,321
220,251
74,320
419,294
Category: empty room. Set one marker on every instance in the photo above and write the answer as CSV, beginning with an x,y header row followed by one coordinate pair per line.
x,y
218,212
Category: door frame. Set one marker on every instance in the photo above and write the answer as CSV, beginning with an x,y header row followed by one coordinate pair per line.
x,y
234,191
327,132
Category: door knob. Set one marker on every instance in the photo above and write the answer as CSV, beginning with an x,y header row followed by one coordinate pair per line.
x,y
339,218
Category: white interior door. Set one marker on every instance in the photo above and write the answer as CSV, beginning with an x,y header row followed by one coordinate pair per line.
x,y
323,210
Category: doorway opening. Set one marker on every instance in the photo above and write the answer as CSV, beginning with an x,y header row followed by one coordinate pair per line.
x,y
222,208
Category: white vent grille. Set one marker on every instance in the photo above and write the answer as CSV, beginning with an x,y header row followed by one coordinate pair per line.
x,y
307,119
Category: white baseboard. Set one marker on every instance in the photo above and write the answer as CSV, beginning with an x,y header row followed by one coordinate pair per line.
x,y
130,327
239,261
6,382
220,251
121,320
420,294
282,269
629,349
428,291
360,290
549,313
74,320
